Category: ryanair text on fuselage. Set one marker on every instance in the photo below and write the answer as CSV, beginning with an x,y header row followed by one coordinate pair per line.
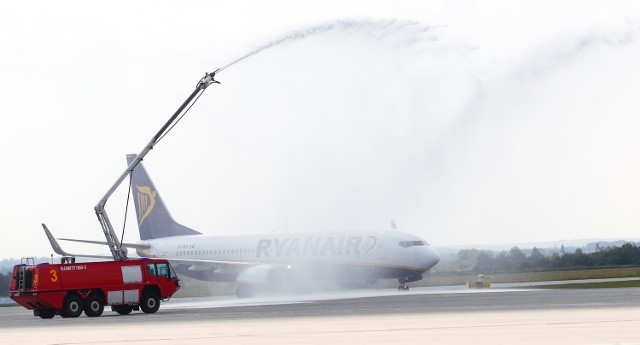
x,y
315,246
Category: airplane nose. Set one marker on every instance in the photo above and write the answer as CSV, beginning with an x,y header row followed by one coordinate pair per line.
x,y
431,258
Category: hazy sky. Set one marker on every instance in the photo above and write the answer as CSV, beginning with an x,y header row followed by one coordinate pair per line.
x,y
465,121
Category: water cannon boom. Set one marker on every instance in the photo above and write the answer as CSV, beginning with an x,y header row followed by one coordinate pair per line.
x,y
115,246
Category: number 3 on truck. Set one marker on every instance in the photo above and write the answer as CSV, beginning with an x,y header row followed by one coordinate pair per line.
x,y
54,276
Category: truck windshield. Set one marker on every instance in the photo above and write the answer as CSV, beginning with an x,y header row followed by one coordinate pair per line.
x,y
161,270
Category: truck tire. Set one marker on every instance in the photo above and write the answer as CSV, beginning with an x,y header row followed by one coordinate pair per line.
x,y
72,306
122,309
150,302
93,306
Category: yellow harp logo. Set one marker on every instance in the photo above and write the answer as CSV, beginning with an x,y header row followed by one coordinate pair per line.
x,y
146,202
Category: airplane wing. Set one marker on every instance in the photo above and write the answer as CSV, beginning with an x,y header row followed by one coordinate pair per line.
x,y
210,262
127,245
58,249
194,264
206,264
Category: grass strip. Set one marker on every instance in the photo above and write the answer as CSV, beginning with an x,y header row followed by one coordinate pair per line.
x,y
597,285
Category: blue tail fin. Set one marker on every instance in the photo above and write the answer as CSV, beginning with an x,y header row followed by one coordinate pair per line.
x,y
154,220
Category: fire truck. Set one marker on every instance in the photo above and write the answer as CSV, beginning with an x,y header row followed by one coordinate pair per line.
x,y
69,288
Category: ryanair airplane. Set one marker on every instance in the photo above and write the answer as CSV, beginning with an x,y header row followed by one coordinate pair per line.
x,y
273,261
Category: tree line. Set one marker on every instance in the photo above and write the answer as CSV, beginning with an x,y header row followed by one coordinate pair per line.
x,y
4,284
517,260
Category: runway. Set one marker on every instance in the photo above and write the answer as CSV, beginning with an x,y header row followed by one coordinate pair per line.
x,y
438,316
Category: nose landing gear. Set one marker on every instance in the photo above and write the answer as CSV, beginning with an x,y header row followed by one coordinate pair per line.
x,y
408,279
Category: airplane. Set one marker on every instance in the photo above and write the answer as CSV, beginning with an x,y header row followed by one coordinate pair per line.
x,y
271,261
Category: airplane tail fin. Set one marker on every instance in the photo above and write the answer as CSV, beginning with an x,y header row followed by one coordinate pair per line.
x,y
154,219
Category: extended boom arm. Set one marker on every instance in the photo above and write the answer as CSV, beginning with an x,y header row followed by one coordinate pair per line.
x,y
117,250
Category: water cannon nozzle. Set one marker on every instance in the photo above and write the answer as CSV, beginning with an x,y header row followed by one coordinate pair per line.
x,y
207,80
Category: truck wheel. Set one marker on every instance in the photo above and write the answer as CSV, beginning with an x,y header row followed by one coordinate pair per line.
x,y
150,302
72,306
123,309
46,313
93,306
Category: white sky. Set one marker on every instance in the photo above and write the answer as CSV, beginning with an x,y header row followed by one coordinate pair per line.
x,y
503,121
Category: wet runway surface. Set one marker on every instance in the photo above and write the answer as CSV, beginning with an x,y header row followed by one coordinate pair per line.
x,y
386,301
451,316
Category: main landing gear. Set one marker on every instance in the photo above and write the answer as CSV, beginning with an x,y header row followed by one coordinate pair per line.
x,y
403,287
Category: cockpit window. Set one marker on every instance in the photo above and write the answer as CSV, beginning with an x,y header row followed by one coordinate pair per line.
x,y
407,244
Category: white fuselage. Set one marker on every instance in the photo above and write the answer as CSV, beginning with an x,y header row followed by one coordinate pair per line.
x,y
380,254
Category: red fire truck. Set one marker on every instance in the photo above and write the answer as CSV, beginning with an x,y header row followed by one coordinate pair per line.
x,y
69,288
